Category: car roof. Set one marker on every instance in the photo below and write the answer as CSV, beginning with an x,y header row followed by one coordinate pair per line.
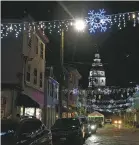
x,y
29,119
68,119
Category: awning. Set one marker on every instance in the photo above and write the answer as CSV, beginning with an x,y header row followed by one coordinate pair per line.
x,y
95,114
26,101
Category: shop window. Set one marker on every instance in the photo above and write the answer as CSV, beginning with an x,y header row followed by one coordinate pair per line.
x,y
38,113
21,111
41,51
28,73
36,45
41,80
35,76
29,111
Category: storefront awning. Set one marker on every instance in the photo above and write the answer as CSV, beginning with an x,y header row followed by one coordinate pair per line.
x,y
26,101
95,114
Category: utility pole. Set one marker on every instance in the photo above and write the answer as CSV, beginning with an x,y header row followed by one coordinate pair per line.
x,y
61,73
68,104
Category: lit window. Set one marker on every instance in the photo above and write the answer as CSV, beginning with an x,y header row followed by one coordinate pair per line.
x,y
41,80
41,51
29,42
36,45
35,76
28,73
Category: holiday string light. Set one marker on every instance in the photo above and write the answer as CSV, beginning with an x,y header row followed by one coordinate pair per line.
x,y
107,105
110,110
110,106
96,21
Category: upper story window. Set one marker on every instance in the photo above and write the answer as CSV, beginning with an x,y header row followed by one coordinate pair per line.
x,y
41,50
71,77
41,80
36,46
35,76
51,92
28,72
30,42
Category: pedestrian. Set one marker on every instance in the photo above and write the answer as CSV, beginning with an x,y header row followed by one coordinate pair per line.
x,y
17,117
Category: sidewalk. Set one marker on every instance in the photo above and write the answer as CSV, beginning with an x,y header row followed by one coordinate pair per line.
x,y
132,128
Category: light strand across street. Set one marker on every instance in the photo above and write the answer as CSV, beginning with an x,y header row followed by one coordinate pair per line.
x,y
95,22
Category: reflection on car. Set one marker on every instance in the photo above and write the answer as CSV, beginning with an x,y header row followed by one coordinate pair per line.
x,y
67,131
28,131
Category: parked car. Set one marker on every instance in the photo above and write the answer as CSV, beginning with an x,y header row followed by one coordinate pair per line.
x,y
28,131
108,121
84,122
67,131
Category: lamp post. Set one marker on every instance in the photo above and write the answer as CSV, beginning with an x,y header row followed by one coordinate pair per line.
x,y
79,26
61,73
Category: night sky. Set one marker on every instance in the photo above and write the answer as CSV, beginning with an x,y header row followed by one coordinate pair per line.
x,y
114,45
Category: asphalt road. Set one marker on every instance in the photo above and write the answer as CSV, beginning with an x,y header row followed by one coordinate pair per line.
x,y
114,136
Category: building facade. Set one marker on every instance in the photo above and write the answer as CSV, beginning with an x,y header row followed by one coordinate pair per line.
x,y
97,74
52,96
97,81
71,88
23,66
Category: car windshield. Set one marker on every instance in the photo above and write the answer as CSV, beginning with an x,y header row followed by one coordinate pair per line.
x,y
66,123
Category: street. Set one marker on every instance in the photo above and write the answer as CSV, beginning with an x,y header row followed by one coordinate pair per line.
x,y
114,136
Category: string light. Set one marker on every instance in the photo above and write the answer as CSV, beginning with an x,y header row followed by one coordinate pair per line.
x,y
97,22
126,100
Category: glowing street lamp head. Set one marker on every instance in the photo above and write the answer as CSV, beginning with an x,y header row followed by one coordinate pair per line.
x,y
80,25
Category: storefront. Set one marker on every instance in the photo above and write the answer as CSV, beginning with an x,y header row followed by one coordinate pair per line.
x,y
31,111
28,107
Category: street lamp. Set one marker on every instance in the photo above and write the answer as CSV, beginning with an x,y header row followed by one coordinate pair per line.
x,y
79,26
